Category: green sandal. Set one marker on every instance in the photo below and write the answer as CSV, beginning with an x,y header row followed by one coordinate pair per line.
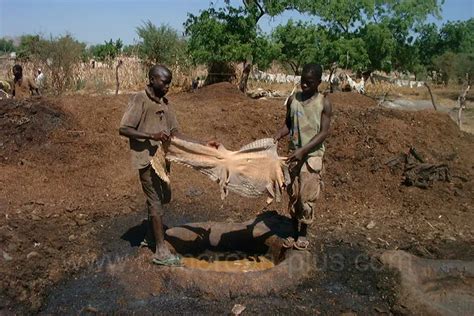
x,y
171,261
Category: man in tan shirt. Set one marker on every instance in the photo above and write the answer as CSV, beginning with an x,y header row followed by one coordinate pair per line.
x,y
23,87
148,122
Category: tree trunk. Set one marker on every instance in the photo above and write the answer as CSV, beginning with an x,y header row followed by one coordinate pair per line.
x,y
245,77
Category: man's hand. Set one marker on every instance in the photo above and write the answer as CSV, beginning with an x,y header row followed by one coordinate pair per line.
x,y
161,136
296,156
213,143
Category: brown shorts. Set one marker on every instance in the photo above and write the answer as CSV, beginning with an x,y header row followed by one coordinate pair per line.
x,y
157,191
304,189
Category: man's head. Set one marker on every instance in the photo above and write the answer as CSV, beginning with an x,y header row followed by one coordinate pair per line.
x,y
311,78
17,72
160,79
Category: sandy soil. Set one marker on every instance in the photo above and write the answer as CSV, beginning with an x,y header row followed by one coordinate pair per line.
x,y
68,194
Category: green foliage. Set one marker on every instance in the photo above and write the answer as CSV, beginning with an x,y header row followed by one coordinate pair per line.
x,y
223,35
160,44
299,43
458,36
428,44
131,50
380,46
29,46
341,15
6,46
349,53
228,35
455,66
107,51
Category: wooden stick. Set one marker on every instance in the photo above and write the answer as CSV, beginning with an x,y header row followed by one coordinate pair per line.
x,y
117,82
431,95
462,104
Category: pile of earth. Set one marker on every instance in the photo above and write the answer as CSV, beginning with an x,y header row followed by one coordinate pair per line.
x,y
65,170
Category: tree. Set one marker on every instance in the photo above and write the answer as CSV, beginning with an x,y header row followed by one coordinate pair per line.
x,y
455,66
428,44
299,43
29,46
6,46
351,18
349,53
379,44
458,36
160,44
107,51
219,37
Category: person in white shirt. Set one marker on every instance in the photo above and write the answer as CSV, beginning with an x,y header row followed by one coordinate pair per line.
x,y
40,78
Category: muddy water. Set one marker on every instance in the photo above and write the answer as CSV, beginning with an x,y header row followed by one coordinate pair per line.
x,y
228,262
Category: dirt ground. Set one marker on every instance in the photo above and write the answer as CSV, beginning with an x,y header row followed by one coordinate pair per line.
x,y
68,195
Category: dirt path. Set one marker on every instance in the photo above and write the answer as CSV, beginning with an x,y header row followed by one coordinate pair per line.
x,y
66,180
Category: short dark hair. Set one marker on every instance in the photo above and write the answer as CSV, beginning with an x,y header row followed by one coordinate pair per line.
x,y
17,68
159,70
313,70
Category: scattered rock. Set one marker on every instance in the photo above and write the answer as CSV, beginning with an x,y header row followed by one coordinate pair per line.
x,y
7,257
371,225
238,309
91,309
32,254
193,192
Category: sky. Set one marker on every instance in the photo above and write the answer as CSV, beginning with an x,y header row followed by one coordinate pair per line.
x,y
93,21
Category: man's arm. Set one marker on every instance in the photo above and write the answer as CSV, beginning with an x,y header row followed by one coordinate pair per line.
x,y
285,130
326,114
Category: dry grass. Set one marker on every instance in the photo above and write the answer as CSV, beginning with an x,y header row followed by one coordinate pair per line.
x,y
101,79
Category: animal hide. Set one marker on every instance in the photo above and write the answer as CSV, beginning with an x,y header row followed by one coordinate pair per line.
x,y
251,171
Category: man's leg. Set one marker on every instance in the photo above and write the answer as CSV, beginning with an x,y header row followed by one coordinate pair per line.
x,y
310,182
153,192
161,251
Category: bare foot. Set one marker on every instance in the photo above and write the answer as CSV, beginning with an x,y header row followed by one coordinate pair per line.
x,y
162,252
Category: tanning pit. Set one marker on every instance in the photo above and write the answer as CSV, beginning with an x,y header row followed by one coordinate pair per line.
x,y
228,259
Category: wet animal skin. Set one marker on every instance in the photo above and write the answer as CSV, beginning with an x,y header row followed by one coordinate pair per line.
x,y
253,170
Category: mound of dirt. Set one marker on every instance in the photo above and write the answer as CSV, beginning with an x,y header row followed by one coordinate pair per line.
x,y
76,171
433,287
24,124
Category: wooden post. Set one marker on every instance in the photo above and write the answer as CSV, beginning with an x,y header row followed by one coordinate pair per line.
x,y
117,82
431,95
462,104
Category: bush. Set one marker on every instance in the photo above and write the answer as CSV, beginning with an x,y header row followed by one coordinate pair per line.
x,y
6,46
61,56
454,67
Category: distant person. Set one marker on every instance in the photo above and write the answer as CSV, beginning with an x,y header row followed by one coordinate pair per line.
x,y
23,87
148,122
40,78
308,116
